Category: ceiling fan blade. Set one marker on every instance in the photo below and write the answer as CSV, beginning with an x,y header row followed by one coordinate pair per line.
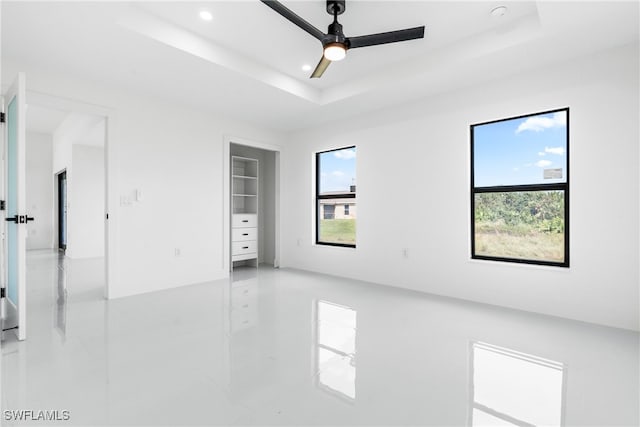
x,y
383,38
295,19
320,68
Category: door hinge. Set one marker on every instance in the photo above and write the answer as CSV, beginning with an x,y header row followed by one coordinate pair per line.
x,y
3,292
2,118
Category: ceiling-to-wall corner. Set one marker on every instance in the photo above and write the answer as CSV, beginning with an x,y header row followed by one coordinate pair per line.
x,y
171,35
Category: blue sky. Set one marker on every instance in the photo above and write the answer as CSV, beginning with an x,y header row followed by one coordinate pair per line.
x,y
337,170
517,151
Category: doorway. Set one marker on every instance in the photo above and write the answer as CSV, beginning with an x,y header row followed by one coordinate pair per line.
x,y
62,211
264,192
71,138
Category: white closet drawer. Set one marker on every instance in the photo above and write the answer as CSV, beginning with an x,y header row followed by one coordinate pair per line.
x,y
244,220
244,257
244,234
243,248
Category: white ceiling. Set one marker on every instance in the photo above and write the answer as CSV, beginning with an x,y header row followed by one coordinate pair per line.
x,y
44,120
247,61
79,128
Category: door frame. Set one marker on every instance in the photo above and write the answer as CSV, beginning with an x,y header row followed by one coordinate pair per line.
x,y
58,209
226,196
111,201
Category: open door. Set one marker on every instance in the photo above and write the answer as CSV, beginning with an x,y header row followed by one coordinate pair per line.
x,y
62,211
15,309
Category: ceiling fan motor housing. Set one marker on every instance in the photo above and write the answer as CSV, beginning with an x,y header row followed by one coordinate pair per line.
x,y
336,6
334,35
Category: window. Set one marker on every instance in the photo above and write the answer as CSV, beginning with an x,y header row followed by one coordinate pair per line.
x,y
520,189
336,185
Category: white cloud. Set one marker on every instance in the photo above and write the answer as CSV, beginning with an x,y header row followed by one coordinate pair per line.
x,y
543,163
337,173
345,154
538,124
541,153
554,150
516,169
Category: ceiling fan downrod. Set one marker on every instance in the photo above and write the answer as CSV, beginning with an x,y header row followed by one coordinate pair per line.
x,y
334,31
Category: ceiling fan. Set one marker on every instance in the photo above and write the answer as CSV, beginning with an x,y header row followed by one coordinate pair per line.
x,y
335,44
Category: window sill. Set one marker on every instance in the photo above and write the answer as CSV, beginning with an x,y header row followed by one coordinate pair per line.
x,y
328,245
487,262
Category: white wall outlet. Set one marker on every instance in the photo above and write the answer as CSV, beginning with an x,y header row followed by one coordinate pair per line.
x,y
138,195
405,253
176,251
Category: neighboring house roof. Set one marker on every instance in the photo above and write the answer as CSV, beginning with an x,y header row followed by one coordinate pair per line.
x,y
337,201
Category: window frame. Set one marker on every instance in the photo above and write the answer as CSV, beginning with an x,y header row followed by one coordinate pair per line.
x,y
522,188
328,196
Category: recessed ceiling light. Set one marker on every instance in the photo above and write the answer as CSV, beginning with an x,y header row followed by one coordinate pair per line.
x,y
306,67
205,15
499,11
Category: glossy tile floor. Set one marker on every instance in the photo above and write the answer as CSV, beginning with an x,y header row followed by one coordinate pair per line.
x,y
295,348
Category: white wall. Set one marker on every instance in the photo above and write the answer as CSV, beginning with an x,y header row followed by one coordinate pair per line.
x,y
39,189
62,146
174,155
87,198
417,156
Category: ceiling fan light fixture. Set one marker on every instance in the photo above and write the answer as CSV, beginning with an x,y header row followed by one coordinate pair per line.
x,y
335,51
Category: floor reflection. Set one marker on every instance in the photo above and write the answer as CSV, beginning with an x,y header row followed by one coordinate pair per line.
x,y
513,388
243,364
241,300
281,347
335,349
61,300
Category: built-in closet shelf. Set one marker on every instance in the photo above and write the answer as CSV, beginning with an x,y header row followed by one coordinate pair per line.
x,y
244,210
